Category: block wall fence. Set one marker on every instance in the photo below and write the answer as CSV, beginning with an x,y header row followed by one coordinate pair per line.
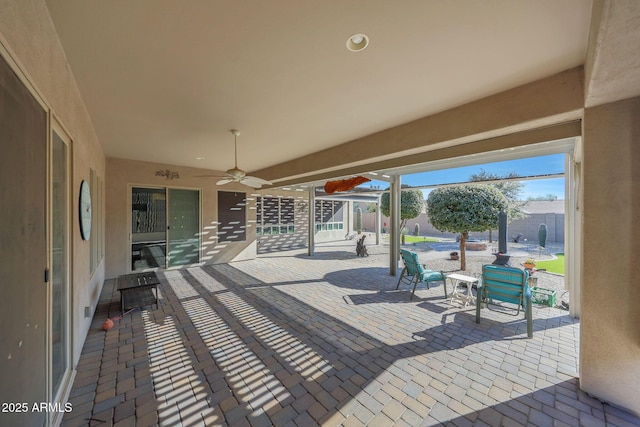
x,y
528,227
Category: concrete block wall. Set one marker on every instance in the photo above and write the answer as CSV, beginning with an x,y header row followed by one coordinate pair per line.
x,y
528,227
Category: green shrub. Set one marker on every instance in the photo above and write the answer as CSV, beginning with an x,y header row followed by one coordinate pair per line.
x,y
542,234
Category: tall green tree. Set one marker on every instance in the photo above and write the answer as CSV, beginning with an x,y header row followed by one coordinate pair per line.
x,y
465,208
512,190
411,204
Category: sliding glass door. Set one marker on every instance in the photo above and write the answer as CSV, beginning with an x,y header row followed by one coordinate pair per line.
x,y
148,228
165,227
24,252
60,312
184,227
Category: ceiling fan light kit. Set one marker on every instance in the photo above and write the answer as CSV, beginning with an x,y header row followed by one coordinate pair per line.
x,y
238,175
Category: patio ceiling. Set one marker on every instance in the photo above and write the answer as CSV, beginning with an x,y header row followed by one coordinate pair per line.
x,y
165,81
564,145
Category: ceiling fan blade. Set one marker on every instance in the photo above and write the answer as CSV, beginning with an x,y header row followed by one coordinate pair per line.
x,y
250,183
224,181
259,180
209,176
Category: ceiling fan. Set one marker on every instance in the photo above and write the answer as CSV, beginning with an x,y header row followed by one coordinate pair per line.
x,y
238,175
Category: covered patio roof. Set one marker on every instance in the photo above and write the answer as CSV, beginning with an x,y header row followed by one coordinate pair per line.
x,y
281,73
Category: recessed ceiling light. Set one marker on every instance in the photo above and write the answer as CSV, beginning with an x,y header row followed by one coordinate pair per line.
x,y
357,42
199,158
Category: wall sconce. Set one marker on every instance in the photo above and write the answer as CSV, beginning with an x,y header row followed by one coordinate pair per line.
x,y
168,174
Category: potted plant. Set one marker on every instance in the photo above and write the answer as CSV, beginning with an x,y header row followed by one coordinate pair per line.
x,y
529,263
454,255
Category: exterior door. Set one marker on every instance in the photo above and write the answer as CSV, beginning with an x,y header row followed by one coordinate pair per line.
x,y
60,311
23,233
148,228
184,227
165,227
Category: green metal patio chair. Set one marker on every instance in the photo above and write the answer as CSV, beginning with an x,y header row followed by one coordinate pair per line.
x,y
414,273
506,284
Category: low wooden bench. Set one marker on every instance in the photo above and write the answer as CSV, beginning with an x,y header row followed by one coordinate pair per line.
x,y
138,290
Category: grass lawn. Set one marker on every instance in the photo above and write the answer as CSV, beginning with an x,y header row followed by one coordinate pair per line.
x,y
418,239
554,265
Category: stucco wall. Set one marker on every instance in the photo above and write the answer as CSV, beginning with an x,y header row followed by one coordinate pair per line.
x,y
610,320
123,174
27,32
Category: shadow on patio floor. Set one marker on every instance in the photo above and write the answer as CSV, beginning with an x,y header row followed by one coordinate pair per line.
x,y
227,347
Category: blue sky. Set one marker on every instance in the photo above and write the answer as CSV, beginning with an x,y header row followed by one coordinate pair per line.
x,y
550,164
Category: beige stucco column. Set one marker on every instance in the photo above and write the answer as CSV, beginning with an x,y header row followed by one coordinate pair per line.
x,y
610,315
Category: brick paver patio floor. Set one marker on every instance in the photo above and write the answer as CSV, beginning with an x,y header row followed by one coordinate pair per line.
x,y
292,340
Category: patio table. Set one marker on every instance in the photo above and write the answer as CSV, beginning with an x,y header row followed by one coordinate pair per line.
x,y
458,281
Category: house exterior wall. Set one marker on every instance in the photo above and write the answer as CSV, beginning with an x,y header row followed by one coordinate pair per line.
x,y
610,319
123,174
27,32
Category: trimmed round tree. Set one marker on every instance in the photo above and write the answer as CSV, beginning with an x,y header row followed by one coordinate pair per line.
x,y
510,189
465,208
411,204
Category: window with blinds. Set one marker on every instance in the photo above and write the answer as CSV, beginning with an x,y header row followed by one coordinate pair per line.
x,y
275,215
